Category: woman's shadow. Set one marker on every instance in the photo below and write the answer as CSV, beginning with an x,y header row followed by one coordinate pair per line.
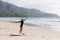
x,y
11,35
15,35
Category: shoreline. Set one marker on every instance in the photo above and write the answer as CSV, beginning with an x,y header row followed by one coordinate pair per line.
x,y
31,32
44,26
29,24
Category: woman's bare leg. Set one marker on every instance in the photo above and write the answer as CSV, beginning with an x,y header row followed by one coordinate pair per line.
x,y
20,30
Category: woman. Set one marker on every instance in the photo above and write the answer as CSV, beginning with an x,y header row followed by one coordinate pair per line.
x,y
21,25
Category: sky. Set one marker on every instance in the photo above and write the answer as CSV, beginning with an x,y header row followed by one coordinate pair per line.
x,y
49,6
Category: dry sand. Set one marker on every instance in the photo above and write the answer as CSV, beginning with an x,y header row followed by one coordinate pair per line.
x,y
31,32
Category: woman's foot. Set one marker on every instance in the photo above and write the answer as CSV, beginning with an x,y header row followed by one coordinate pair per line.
x,y
22,33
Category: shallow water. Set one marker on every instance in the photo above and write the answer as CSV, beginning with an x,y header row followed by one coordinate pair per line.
x,y
52,23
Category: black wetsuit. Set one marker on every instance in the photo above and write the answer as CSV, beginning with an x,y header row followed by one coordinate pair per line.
x,y
22,22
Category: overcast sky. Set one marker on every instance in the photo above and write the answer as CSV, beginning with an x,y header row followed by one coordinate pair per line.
x,y
50,6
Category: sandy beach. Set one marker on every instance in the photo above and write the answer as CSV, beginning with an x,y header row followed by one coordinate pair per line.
x,y
31,32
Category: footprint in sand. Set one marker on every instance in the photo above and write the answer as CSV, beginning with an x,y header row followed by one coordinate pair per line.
x,y
43,37
47,39
50,36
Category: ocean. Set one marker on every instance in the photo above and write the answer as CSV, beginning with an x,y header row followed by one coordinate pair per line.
x,y
52,23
